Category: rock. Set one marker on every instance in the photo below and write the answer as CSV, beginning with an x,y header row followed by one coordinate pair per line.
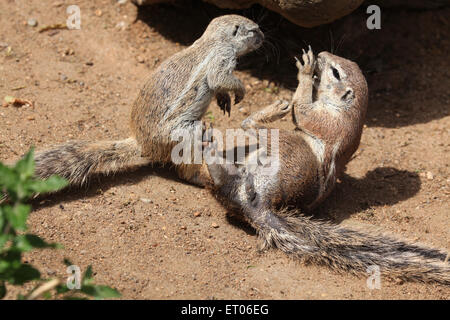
x,y
416,4
244,111
430,175
122,25
214,225
140,59
50,272
197,214
305,13
32,22
311,13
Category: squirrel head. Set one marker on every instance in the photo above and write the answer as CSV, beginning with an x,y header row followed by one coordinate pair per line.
x,y
340,85
241,33
340,97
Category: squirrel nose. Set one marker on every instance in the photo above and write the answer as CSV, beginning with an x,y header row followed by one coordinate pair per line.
x,y
259,35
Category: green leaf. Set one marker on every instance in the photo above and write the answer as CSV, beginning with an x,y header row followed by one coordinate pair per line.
x,y
104,292
47,295
88,290
75,298
17,215
9,261
3,240
4,266
88,276
25,166
54,183
60,289
8,178
27,242
24,274
2,220
100,292
2,290
88,273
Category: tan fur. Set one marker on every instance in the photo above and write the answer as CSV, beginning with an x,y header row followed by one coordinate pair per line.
x,y
329,114
176,94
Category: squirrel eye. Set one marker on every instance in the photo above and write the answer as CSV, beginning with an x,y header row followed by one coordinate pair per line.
x,y
236,28
336,73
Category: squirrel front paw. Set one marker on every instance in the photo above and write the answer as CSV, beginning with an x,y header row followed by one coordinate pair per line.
x,y
239,94
224,102
279,109
309,63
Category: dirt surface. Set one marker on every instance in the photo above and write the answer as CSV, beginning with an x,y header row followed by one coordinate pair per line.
x,y
149,234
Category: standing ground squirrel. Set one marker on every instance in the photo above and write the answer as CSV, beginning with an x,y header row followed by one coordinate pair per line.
x,y
176,95
328,109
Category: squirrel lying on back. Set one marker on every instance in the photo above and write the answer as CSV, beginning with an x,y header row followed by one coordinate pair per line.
x,y
328,109
175,96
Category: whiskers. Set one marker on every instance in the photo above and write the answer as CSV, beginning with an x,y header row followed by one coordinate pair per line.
x,y
340,43
335,49
271,50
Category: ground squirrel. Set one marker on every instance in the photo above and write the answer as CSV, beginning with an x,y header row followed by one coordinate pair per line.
x,y
176,95
328,109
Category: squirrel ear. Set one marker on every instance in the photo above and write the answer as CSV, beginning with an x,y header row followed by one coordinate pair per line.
x,y
348,94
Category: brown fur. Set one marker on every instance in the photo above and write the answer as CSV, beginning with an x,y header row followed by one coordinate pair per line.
x,y
329,114
176,94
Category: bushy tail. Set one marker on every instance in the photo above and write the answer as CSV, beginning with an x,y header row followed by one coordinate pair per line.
x,y
77,161
347,250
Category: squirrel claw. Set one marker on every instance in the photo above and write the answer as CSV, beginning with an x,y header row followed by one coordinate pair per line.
x,y
238,98
309,62
224,102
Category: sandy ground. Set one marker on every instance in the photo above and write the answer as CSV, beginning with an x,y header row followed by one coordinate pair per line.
x,y
139,230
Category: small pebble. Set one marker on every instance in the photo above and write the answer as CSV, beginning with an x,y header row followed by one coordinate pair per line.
x,y
121,25
244,111
197,214
214,225
51,272
140,59
32,22
430,175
